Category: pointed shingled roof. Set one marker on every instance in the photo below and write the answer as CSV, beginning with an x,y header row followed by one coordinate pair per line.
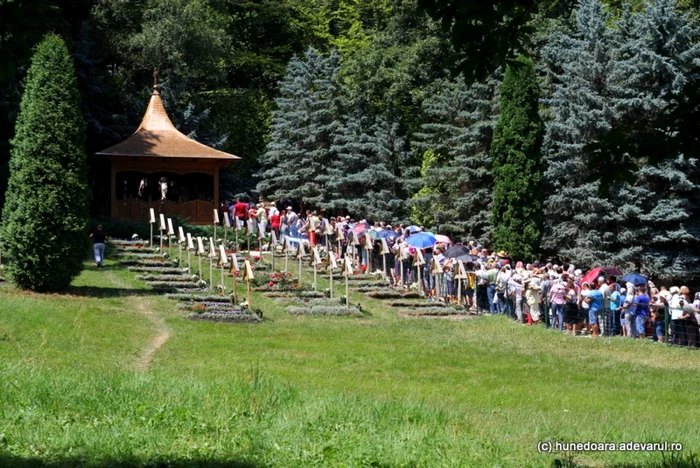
x,y
158,137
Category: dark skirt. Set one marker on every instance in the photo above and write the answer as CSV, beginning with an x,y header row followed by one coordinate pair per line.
x,y
571,313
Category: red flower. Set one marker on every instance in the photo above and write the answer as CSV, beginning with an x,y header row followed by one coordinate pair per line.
x,y
271,283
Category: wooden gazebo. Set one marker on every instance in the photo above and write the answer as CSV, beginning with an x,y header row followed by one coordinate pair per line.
x,y
158,152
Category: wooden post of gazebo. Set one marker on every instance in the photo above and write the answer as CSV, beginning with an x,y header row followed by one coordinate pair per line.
x,y
158,147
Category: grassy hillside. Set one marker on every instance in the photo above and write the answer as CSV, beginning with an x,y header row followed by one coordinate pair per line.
x,y
111,375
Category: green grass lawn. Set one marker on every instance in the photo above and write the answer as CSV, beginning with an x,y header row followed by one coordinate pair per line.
x,y
110,375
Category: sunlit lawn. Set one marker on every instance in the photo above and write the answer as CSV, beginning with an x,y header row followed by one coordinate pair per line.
x,y
376,390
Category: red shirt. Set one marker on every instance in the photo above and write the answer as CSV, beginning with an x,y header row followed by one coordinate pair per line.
x,y
275,220
239,210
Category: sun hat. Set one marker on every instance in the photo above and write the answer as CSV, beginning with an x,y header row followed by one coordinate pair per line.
x,y
674,290
289,208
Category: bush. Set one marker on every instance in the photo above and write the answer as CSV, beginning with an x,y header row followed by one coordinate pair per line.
x,y
45,218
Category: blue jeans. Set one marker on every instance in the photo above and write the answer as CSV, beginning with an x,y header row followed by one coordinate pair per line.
x,y
99,251
640,322
490,292
559,310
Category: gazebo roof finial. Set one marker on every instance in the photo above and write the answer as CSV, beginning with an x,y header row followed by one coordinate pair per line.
x,y
155,78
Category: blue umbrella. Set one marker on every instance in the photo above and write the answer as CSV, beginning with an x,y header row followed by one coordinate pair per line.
x,y
421,240
413,229
634,278
386,234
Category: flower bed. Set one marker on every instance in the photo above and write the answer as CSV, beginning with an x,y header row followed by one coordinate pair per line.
x,y
364,277
199,298
417,305
432,312
140,256
230,316
175,285
128,243
294,294
369,284
165,277
323,310
206,306
392,294
161,270
156,262
369,289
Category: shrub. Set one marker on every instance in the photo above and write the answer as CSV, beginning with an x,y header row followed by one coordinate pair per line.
x,y
45,218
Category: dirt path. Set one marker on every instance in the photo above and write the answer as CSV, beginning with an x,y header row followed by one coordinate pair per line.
x,y
142,305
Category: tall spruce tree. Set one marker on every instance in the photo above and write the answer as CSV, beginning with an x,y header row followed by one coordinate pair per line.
x,y
517,164
45,217
606,79
455,181
580,224
660,231
361,180
304,126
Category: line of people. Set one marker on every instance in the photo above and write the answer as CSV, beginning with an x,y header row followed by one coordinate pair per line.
x,y
491,283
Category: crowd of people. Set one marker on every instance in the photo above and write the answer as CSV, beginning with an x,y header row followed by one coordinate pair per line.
x,y
490,282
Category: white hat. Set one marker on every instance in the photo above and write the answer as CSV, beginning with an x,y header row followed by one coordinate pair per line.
x,y
601,279
577,273
674,290
289,208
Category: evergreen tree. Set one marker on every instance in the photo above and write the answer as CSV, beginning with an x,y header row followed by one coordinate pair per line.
x,y
304,125
361,180
607,81
455,179
517,164
45,217
660,231
580,224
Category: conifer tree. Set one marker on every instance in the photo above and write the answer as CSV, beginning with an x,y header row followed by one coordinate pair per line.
x,y
45,217
659,230
455,181
580,224
304,125
517,164
361,180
